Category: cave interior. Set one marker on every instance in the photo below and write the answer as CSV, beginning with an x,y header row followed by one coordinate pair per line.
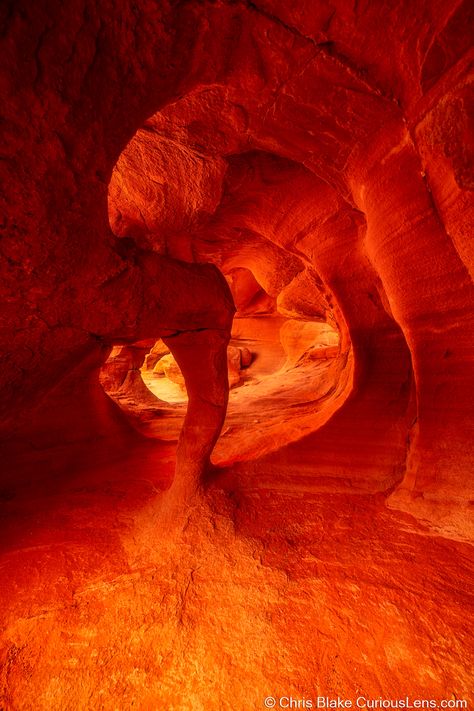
x,y
237,422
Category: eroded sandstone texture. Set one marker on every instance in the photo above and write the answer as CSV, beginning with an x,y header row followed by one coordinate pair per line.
x,y
279,195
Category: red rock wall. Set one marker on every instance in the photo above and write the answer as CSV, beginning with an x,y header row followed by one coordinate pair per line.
x,y
371,151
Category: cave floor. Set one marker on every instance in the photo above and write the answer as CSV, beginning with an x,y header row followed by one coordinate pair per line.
x,y
266,591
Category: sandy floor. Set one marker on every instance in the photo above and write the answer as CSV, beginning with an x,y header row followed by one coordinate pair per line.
x,y
267,591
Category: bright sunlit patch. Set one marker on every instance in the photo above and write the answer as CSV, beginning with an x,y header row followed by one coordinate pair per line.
x,y
164,388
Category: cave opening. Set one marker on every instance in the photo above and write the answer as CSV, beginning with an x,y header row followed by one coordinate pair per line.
x,y
174,191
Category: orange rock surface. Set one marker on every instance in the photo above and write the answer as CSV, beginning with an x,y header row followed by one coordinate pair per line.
x,y
279,195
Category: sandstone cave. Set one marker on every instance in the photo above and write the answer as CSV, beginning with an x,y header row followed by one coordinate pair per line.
x,y
237,382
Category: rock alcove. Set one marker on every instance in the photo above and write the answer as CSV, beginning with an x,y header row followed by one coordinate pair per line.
x,y
177,193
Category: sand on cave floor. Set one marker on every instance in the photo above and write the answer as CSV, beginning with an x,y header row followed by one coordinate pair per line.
x,y
266,591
